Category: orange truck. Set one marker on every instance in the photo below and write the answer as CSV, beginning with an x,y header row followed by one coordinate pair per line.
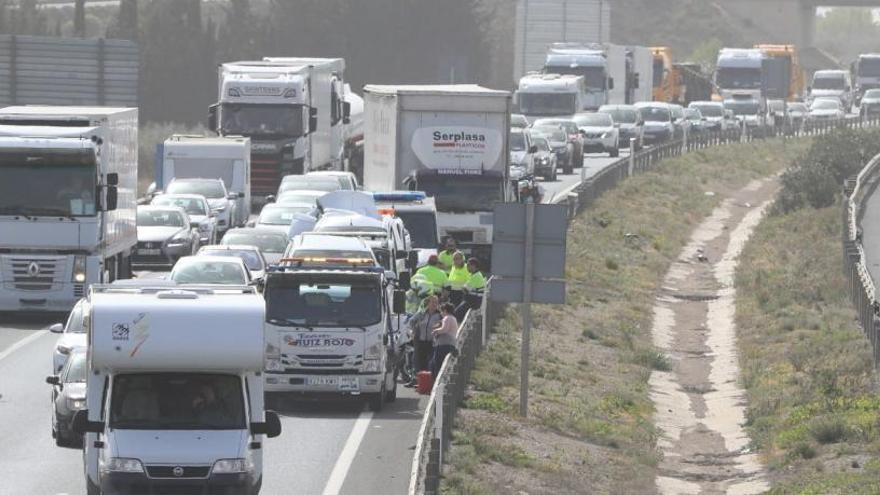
x,y
784,78
667,80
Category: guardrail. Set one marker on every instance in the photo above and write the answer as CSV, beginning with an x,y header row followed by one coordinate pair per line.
x,y
861,286
451,384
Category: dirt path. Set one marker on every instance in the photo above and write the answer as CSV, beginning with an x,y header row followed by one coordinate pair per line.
x,y
700,408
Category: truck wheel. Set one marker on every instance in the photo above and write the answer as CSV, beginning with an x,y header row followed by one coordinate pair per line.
x,y
376,401
391,395
614,152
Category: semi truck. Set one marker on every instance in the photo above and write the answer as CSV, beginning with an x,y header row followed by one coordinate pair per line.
x,y
667,84
866,74
783,75
740,83
449,141
550,95
327,76
67,202
271,104
331,310
227,158
175,390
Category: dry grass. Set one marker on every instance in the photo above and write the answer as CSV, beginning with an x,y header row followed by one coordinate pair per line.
x,y
590,428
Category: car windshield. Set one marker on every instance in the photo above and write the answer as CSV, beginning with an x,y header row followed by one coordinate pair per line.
x,y
196,271
742,107
192,206
518,120
160,218
622,115
655,114
567,126
710,110
594,77
211,189
738,78
797,107
323,302
463,193
825,105
593,120
547,103
552,133
281,215
517,141
873,94
251,259
297,197
177,401
47,182
309,183
262,120
829,82
692,114
422,228
76,368
542,144
267,242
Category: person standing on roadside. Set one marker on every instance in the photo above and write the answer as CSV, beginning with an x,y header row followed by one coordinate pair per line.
x,y
473,289
422,325
445,335
446,256
434,274
458,277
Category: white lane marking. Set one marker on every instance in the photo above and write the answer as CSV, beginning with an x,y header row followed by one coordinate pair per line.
x,y
21,343
346,457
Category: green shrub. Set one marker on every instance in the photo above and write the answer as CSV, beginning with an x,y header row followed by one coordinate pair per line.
x,y
828,429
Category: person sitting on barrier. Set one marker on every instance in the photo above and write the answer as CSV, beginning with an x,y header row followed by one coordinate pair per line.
x,y
473,290
458,277
445,335
422,325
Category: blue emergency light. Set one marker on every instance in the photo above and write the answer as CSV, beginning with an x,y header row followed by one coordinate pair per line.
x,y
399,196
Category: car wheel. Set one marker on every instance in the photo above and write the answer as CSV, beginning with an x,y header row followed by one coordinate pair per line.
x,y
614,152
391,395
376,401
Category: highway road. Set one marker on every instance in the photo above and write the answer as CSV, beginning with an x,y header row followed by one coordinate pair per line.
x,y
336,448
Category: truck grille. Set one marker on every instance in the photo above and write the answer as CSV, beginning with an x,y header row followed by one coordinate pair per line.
x,y
36,273
265,176
188,471
316,364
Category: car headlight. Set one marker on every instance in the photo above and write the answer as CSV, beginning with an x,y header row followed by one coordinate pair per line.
x,y
372,365
79,269
76,404
179,239
231,466
204,227
123,465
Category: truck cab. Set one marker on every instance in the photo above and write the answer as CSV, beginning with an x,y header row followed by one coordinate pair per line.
x,y
175,390
550,95
739,74
866,71
419,215
331,310
835,84
592,62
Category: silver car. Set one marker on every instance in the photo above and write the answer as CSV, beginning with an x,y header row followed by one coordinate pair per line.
x,y
68,397
270,242
214,190
600,134
164,235
197,209
251,256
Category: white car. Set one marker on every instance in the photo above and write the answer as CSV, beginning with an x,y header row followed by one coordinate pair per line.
x,y
73,336
300,197
715,115
826,109
222,202
251,256
347,180
600,133
270,242
197,209
210,270
308,183
278,217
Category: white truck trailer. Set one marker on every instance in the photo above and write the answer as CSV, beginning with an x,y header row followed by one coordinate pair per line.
x,y
207,157
175,390
327,77
450,141
68,189
271,104
550,95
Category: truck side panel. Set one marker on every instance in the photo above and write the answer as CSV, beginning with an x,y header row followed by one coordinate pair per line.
x,y
644,61
617,71
119,154
380,135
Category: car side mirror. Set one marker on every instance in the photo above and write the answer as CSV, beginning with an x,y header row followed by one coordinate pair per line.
x,y
610,83
582,132
313,120
212,117
346,112
533,149
240,195
112,198
271,427
112,179
399,302
270,198
413,262
56,328
54,380
232,196
81,423
403,280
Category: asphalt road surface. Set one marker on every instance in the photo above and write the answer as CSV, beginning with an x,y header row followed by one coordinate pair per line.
x,y
325,448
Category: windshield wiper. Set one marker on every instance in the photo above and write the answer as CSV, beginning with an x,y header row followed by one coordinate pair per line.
x,y
52,212
14,210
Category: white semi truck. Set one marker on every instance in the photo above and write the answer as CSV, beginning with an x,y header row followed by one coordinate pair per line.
x,y
273,105
68,189
175,390
740,84
330,312
550,95
327,76
206,157
450,141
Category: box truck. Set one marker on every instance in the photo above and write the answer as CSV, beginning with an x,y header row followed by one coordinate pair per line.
x,y
450,141
67,202
207,157
174,398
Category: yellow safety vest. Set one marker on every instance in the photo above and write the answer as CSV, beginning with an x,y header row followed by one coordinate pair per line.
x,y
436,276
458,277
476,282
445,259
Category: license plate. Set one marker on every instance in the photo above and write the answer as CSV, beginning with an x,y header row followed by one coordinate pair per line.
x,y
149,252
322,380
348,384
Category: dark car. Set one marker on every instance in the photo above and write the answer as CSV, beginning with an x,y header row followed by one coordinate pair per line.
x,y
68,397
164,236
557,138
575,138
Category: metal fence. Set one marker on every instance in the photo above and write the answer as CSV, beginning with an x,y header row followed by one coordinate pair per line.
x,y
451,384
861,286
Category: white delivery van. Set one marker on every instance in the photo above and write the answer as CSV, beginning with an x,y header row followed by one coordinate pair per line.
x,y
175,390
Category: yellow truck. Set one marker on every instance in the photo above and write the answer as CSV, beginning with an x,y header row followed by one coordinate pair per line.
x,y
667,81
784,78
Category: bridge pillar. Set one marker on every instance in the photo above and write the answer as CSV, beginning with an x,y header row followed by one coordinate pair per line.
x,y
807,23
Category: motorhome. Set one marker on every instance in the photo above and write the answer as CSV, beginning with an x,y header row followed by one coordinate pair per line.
x,y
550,95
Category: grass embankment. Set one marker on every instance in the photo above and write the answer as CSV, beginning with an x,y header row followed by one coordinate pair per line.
x,y
814,407
590,428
